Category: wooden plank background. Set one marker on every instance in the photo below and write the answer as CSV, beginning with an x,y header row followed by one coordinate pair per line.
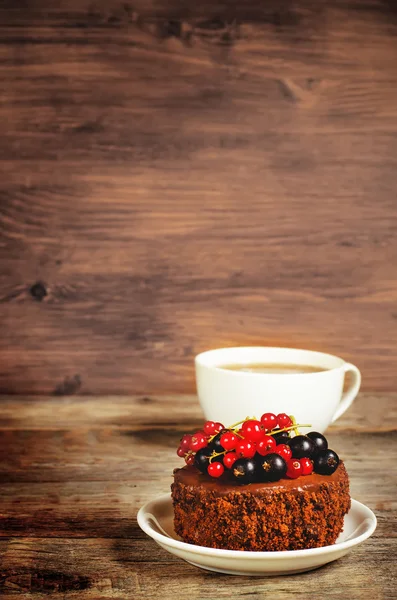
x,y
181,175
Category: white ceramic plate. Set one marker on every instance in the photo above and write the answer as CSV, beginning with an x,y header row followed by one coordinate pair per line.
x,y
156,519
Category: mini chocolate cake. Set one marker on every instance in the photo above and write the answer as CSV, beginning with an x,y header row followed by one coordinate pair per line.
x,y
289,514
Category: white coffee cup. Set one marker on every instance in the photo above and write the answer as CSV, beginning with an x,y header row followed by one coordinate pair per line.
x,y
316,399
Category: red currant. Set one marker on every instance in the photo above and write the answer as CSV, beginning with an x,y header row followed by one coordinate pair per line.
x,y
284,420
306,465
189,459
216,469
284,451
294,468
202,432
269,421
198,441
245,449
229,440
229,459
218,427
181,452
185,442
209,427
252,430
266,445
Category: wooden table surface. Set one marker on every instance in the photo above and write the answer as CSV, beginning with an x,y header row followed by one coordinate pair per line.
x,y
75,470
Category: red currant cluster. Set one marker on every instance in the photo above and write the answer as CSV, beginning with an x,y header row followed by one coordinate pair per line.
x,y
258,450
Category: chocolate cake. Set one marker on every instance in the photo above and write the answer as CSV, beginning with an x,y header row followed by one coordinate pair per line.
x,y
289,514
260,487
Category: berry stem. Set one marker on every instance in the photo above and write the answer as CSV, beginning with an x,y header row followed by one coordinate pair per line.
x,y
242,421
295,426
296,430
216,454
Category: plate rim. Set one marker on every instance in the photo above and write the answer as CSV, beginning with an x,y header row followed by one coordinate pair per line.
x,y
260,555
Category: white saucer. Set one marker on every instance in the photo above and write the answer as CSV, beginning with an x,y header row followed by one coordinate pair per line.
x,y
156,519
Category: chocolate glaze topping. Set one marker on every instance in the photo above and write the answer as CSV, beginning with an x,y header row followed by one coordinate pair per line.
x,y
190,476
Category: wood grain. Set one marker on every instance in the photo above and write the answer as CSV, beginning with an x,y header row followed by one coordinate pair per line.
x,y
122,569
68,504
173,412
177,176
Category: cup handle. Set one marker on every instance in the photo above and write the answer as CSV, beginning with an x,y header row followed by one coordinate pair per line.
x,y
351,393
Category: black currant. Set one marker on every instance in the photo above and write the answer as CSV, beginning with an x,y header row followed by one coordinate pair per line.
x,y
215,444
301,446
201,459
326,462
281,438
319,441
244,470
271,467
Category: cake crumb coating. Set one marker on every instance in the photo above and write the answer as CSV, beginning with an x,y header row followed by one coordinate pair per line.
x,y
262,518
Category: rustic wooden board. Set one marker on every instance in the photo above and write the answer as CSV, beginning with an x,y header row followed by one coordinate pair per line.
x,y
177,176
368,413
74,471
122,569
